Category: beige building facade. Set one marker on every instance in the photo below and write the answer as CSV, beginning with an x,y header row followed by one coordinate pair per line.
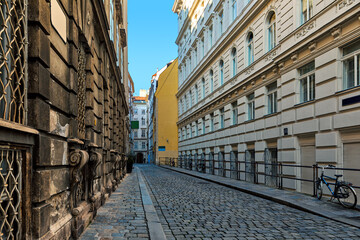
x,y
270,81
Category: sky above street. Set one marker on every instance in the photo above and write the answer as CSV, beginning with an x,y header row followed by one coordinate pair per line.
x,y
152,31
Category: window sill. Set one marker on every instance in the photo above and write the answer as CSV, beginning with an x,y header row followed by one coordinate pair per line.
x,y
18,127
344,91
304,103
270,114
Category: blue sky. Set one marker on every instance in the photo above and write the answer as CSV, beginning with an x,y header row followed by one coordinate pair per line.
x,y
152,32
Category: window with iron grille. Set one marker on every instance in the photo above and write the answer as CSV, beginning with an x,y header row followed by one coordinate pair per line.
x,y
10,193
12,60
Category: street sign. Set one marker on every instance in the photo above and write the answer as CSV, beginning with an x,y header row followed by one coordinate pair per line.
x,y
161,148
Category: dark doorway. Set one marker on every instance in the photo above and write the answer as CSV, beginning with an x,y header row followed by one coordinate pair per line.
x,y
139,158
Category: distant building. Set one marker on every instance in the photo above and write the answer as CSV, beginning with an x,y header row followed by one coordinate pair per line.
x,y
152,90
166,114
269,82
140,115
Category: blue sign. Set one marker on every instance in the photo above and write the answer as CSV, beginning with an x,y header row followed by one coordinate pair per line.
x,y
161,148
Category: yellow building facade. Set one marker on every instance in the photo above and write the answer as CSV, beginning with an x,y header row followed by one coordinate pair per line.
x,y
166,114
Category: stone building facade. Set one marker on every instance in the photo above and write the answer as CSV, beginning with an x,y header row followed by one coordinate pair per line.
x,y
270,81
63,113
140,108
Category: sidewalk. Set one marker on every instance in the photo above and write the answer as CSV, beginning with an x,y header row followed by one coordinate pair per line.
x,y
129,213
296,200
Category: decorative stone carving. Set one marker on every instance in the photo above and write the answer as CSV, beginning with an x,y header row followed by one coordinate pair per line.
x,y
270,56
312,46
336,32
305,29
294,57
78,159
345,3
249,70
95,160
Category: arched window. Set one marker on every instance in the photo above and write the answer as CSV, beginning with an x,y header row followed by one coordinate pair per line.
x,y
234,61
271,31
250,48
221,72
211,81
234,9
196,94
203,87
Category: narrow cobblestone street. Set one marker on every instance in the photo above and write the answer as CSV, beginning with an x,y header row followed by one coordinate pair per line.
x,y
190,208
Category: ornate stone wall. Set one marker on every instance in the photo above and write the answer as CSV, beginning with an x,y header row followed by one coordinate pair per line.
x,y
76,101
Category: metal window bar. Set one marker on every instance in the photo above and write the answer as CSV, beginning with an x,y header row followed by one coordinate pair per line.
x,y
10,192
12,60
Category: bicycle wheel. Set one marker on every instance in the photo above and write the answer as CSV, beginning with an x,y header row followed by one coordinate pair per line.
x,y
346,196
318,189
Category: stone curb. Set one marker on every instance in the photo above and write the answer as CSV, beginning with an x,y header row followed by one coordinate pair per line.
x,y
155,229
288,202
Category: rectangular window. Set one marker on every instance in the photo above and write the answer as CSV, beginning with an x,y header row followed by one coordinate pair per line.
x,y
234,113
136,145
221,22
143,112
142,132
203,126
234,9
351,65
202,45
307,82
251,106
210,37
136,133
222,118
196,128
212,122
143,121
143,145
272,98
306,10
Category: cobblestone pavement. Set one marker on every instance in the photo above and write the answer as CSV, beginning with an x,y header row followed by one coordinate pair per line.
x,y
122,216
190,208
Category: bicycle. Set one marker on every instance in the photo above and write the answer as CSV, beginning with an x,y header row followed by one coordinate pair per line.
x,y
343,191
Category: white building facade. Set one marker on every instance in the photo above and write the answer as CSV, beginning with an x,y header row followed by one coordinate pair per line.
x,y
140,135
270,82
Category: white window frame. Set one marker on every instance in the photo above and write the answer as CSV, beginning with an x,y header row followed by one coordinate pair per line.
x,y
309,11
210,37
196,94
250,48
272,98
221,72
203,88
221,23
234,10
222,118
309,78
211,80
196,129
212,124
271,31
234,61
251,106
355,55
203,126
234,113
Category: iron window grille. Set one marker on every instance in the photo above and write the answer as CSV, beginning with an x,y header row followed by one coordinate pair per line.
x,y
12,60
10,193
